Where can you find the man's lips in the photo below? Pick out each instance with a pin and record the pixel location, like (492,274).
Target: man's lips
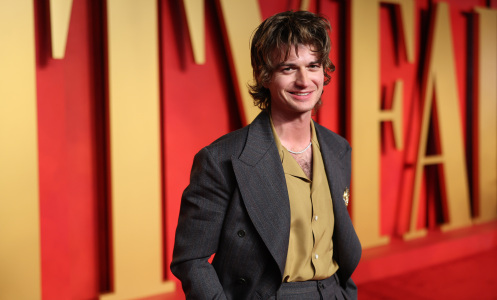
(300,93)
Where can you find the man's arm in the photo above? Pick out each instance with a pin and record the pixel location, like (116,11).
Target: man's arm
(202,212)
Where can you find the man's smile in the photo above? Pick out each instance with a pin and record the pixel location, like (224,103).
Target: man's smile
(300,93)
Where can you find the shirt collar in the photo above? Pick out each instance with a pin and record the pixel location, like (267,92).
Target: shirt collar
(290,165)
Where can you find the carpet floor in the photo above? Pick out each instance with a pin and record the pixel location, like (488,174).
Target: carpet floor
(473,277)
(470,278)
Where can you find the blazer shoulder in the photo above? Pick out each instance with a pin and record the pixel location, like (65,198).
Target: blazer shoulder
(229,144)
(327,136)
(254,139)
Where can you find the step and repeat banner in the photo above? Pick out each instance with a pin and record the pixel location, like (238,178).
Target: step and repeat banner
(103,105)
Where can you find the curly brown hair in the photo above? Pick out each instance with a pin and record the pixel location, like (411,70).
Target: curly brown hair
(283,31)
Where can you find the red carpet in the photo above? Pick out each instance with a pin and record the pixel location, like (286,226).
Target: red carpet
(473,277)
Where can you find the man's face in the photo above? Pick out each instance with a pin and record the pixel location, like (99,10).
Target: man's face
(296,84)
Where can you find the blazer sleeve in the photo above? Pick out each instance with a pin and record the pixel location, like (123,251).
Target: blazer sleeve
(202,212)
(349,290)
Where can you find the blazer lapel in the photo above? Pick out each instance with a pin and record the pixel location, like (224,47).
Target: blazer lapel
(262,184)
(332,154)
(346,245)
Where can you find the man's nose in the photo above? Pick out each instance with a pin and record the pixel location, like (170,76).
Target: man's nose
(302,79)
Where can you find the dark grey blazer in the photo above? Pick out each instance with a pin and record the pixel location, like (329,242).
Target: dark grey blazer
(237,207)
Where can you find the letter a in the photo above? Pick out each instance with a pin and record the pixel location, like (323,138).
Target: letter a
(440,86)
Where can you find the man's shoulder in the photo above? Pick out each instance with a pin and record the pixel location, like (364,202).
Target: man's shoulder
(231,139)
(325,134)
(235,141)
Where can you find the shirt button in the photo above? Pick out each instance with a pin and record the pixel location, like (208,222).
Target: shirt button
(315,218)
(316,256)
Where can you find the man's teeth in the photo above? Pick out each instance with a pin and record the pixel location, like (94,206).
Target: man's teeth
(302,94)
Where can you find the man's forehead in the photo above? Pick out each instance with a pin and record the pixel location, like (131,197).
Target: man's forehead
(284,53)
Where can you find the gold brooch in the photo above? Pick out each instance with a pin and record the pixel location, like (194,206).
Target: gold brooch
(346,195)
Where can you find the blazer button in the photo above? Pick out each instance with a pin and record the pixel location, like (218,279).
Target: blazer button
(241,281)
(241,233)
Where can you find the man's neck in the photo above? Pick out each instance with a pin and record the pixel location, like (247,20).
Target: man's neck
(294,132)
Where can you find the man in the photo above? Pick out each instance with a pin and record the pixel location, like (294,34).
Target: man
(269,199)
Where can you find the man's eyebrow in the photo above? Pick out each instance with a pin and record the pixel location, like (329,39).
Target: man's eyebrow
(289,64)
(286,64)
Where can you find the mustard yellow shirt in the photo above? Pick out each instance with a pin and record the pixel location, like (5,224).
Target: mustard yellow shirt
(310,249)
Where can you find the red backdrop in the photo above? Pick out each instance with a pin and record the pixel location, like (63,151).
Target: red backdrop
(199,105)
